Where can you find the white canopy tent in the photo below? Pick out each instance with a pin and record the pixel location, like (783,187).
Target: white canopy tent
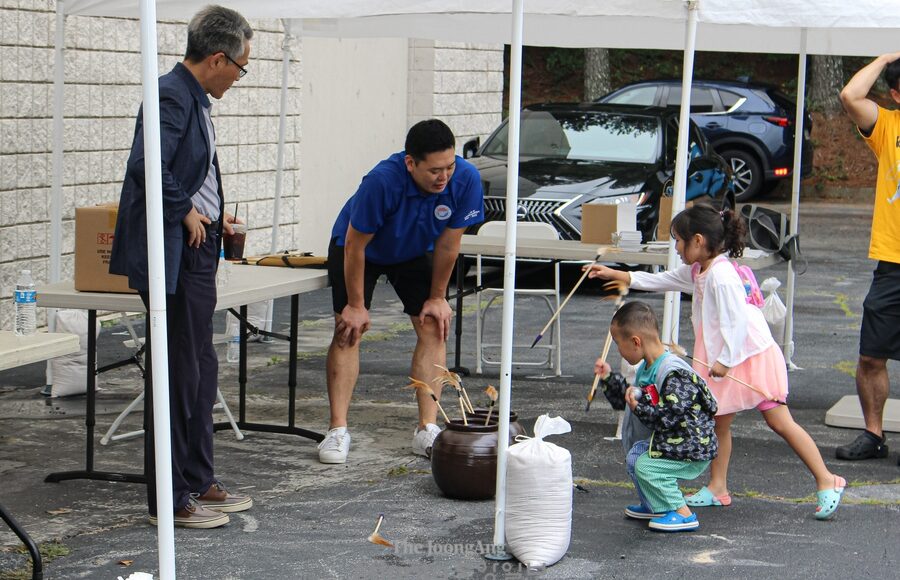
(864,27)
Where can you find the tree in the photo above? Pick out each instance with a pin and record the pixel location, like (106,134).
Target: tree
(596,73)
(826,83)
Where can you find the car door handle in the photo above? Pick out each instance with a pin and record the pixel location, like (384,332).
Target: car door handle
(713,125)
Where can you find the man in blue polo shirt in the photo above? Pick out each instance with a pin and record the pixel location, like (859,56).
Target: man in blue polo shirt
(405,221)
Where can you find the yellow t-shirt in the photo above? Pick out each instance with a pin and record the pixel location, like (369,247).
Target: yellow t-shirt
(885,143)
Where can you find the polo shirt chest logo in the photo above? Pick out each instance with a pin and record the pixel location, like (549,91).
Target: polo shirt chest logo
(442,212)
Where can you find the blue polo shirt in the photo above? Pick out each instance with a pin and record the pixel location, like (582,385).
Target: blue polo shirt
(405,221)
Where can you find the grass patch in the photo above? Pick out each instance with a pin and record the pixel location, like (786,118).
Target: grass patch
(398,327)
(584,482)
(870,483)
(811,498)
(274,361)
(309,355)
(846,366)
(49,551)
(404,470)
(378,336)
(842,301)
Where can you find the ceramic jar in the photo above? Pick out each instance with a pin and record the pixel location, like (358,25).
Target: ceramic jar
(515,428)
(464,459)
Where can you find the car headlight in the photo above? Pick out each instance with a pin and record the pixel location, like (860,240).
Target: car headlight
(640,200)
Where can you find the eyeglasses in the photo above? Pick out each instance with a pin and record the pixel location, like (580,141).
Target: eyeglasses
(243,70)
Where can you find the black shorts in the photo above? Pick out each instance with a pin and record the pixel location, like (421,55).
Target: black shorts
(411,280)
(879,336)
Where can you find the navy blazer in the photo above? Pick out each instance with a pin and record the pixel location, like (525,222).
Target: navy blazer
(184,144)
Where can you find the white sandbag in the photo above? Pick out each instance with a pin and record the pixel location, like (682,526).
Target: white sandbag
(539,496)
(774,310)
(70,371)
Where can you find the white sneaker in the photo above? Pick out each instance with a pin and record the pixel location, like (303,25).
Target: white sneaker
(423,439)
(335,446)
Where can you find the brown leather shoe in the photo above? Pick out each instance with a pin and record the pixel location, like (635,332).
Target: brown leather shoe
(219,499)
(194,515)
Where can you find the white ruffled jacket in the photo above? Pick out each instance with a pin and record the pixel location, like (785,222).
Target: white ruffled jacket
(733,330)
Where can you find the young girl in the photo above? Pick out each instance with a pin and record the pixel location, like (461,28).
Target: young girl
(734,338)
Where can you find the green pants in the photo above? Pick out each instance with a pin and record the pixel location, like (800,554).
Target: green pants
(658,479)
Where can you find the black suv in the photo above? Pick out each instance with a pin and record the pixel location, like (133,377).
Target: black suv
(572,154)
(750,124)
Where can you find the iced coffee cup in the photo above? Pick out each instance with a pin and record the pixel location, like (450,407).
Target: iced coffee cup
(234,244)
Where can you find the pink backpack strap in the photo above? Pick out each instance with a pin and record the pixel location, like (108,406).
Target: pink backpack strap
(748,279)
(695,270)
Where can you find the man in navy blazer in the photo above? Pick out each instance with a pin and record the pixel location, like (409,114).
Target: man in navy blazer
(218,49)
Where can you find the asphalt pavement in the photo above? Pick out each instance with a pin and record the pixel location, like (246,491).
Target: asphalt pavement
(311,520)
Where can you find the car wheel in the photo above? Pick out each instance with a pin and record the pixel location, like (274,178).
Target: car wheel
(748,178)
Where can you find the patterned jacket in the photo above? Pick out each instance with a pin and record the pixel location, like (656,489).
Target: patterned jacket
(682,422)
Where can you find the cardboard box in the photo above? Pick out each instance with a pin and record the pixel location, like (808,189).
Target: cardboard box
(600,220)
(94,230)
(664,225)
(665,219)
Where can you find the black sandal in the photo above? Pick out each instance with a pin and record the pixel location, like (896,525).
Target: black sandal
(866,446)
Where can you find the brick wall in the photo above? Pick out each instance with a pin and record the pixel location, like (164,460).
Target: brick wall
(462,84)
(102,96)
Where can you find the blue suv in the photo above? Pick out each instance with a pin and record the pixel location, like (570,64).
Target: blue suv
(751,125)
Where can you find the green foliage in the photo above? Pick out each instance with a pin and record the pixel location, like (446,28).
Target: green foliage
(846,366)
(564,62)
(49,552)
(398,471)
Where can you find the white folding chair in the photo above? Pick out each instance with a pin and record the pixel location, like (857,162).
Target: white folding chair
(551,344)
(136,343)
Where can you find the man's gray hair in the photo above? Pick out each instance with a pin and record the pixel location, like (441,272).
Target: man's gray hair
(217,29)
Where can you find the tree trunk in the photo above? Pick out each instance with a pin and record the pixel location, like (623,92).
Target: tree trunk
(596,73)
(827,81)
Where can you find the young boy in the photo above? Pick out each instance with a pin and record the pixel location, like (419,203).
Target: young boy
(683,441)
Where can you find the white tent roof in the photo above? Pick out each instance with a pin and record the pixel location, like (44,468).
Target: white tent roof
(860,27)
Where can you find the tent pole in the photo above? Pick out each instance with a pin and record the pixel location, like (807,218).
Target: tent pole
(672,304)
(509,276)
(59,78)
(279,167)
(157,315)
(56,187)
(788,338)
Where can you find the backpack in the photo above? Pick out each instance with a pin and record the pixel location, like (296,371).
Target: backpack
(745,273)
(754,294)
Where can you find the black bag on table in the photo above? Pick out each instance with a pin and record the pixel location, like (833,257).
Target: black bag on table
(769,230)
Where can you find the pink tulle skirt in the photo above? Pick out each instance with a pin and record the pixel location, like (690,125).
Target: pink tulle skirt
(766,371)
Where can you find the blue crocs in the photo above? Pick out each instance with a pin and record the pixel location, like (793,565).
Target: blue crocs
(705,498)
(639,512)
(675,522)
(828,500)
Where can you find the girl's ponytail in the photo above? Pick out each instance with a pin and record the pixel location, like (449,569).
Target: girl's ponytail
(735,231)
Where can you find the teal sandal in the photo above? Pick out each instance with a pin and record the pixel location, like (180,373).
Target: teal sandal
(828,500)
(705,498)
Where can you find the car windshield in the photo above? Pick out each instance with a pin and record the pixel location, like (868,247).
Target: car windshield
(582,135)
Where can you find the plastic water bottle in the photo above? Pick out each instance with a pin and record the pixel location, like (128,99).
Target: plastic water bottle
(223,273)
(233,330)
(25,299)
